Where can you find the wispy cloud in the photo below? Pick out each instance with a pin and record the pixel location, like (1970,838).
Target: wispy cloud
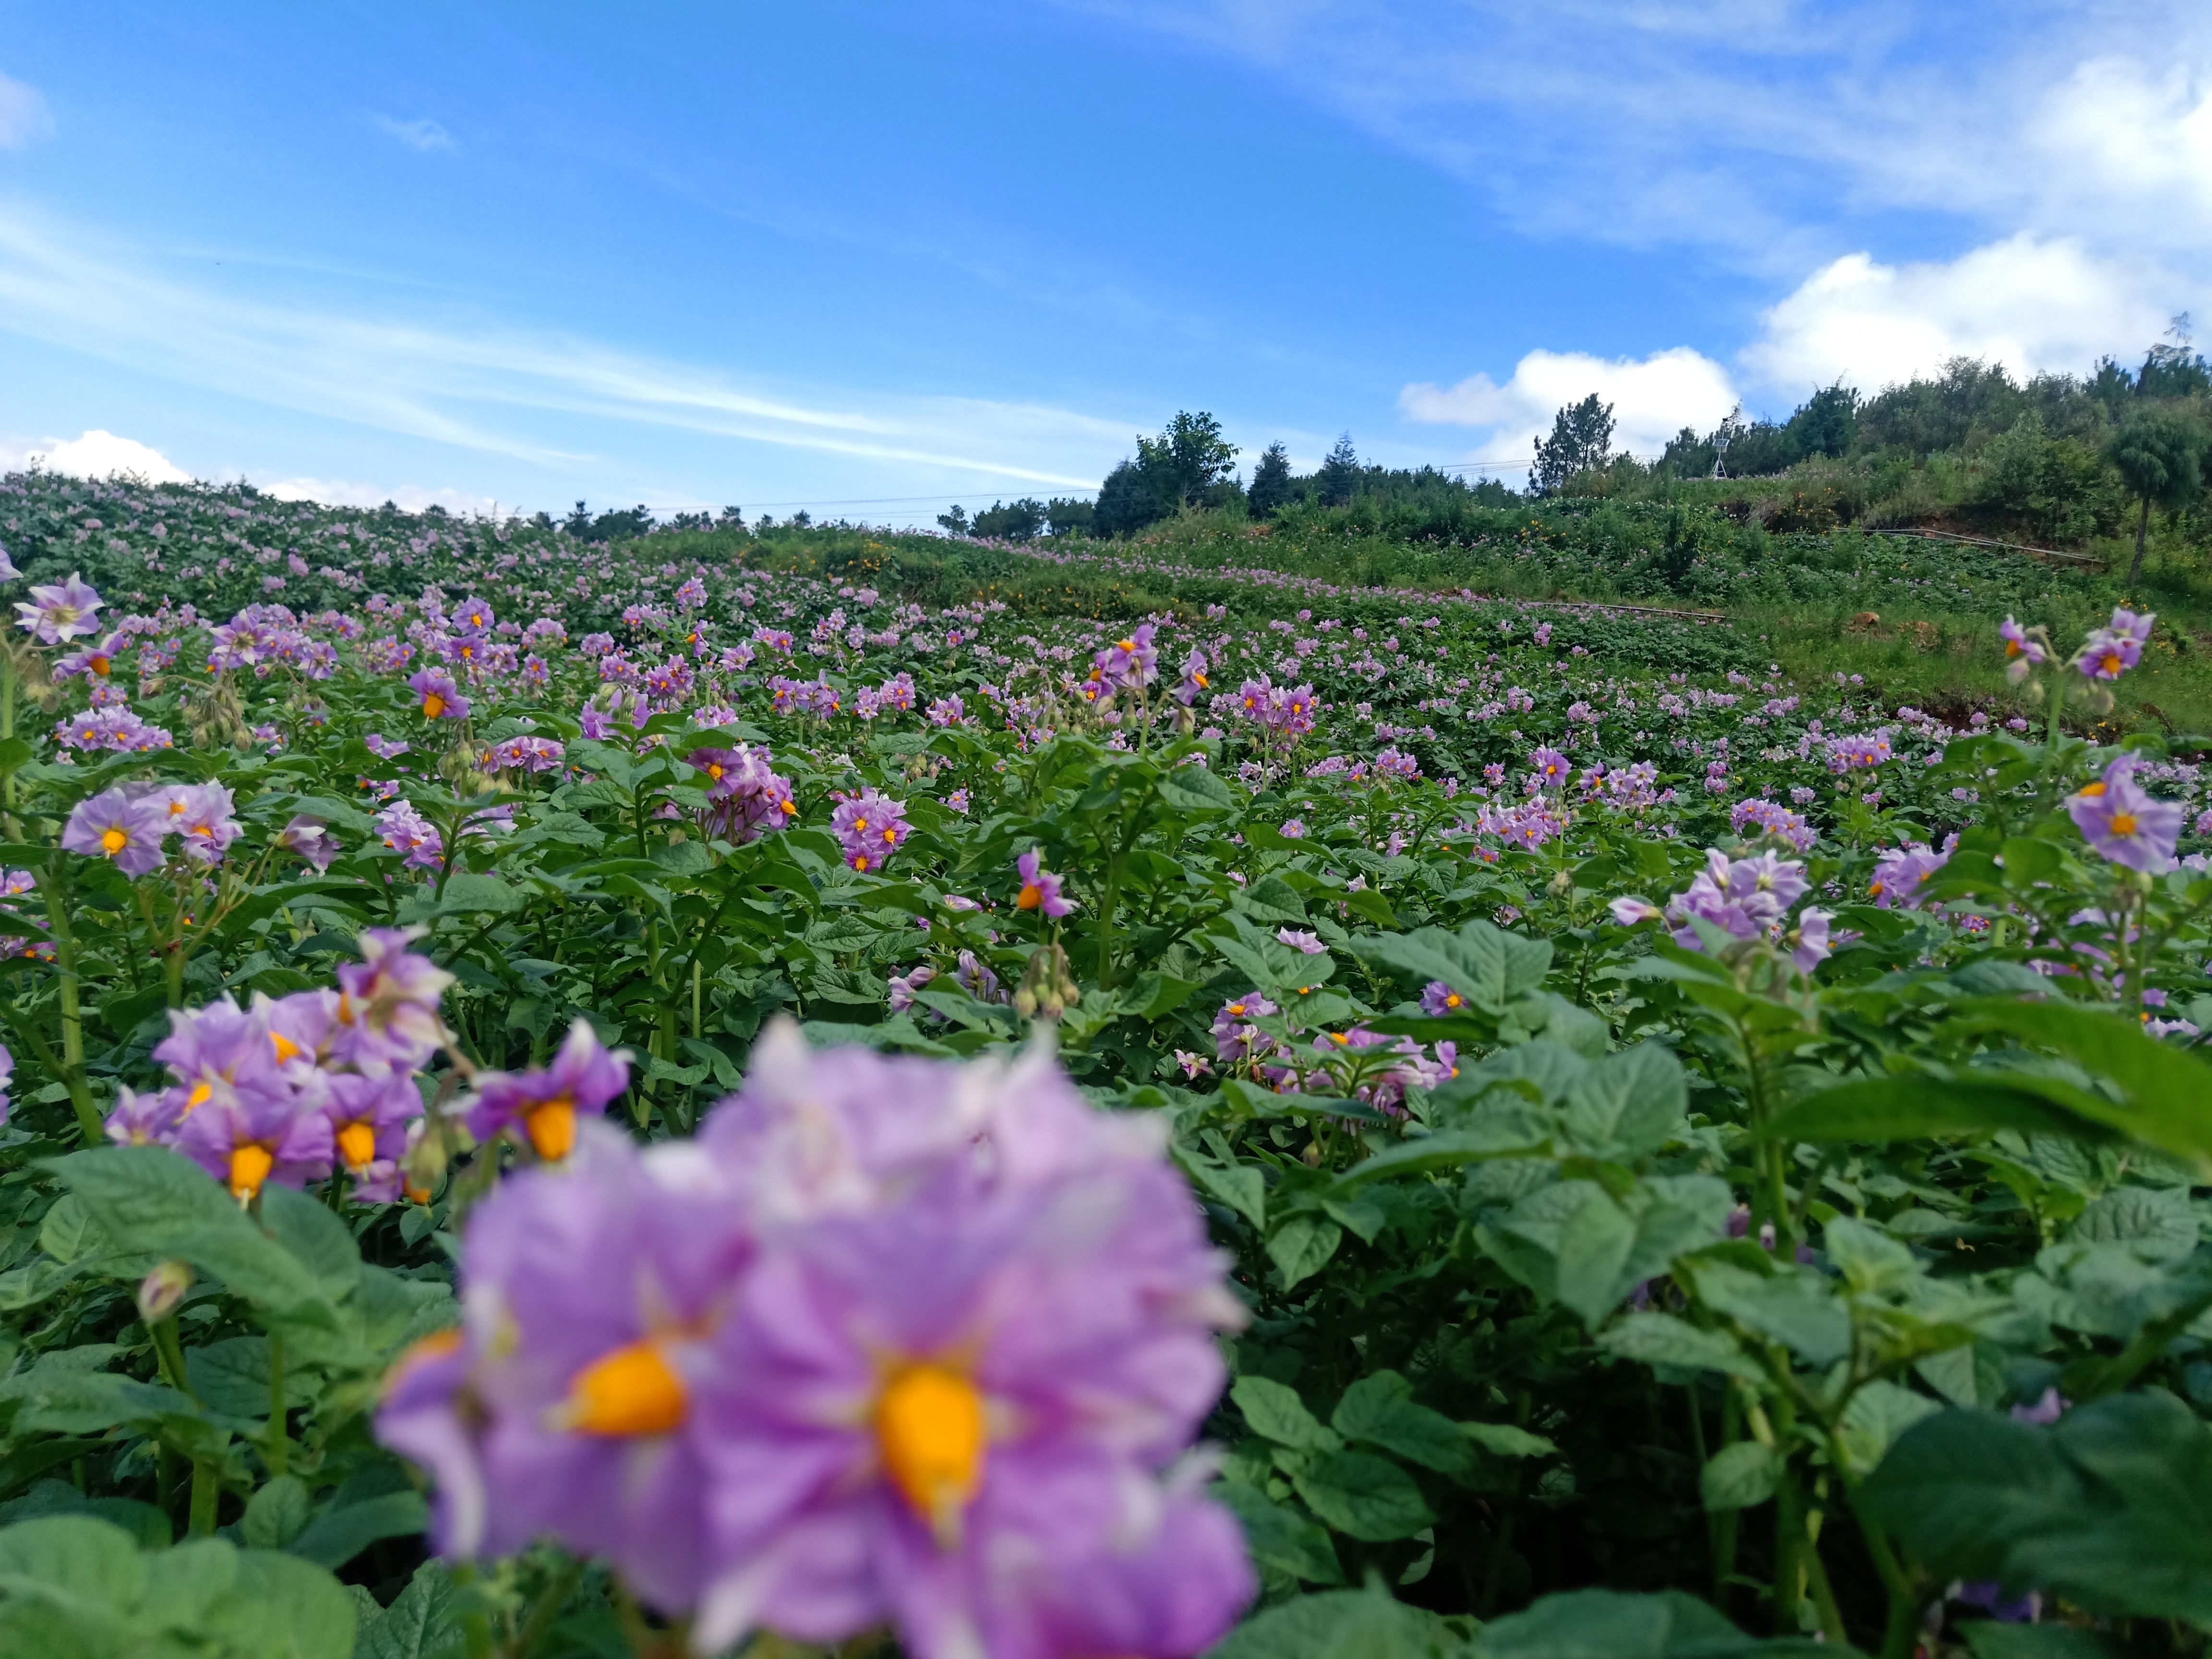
(24,116)
(425,134)
(1762,127)
(489,388)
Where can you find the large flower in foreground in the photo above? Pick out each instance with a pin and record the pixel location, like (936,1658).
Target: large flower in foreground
(946,1409)
(566,1406)
(112,825)
(2124,822)
(544,1106)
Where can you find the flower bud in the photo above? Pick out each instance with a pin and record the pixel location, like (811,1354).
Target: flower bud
(162,1290)
(423,1166)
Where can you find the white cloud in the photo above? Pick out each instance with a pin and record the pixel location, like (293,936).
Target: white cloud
(2029,304)
(467,387)
(98,455)
(1653,398)
(425,134)
(24,116)
(2128,149)
(340,492)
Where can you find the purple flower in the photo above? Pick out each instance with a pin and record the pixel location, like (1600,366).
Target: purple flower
(566,1404)
(311,838)
(61,611)
(441,698)
(1747,897)
(1438,999)
(544,1105)
(1040,887)
(145,1119)
(8,571)
(1898,873)
(2118,819)
(1808,940)
(2111,651)
(1629,910)
(7,1071)
(948,1407)
(1131,663)
(1235,1037)
(97,660)
(903,986)
(2023,650)
(475,615)
(247,1136)
(1292,829)
(1299,938)
(387,1009)
(205,826)
(869,827)
(403,828)
(112,825)
(368,1118)
(1550,767)
(1193,679)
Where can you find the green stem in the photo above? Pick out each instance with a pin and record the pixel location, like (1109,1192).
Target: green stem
(547,1610)
(476,1623)
(278,1453)
(206,1488)
(52,887)
(1789,1550)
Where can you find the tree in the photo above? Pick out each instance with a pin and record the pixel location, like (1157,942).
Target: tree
(1271,482)
(1126,502)
(1068,517)
(1022,521)
(1689,456)
(955,521)
(1185,460)
(2160,455)
(1581,441)
(1340,475)
(1826,423)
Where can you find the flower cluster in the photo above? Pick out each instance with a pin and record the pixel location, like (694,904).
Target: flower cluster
(746,798)
(891,1341)
(288,1091)
(870,827)
(128,824)
(1749,898)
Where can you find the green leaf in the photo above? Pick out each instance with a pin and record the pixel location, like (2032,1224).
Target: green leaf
(1301,1247)
(1599,1624)
(1239,1186)
(1363,1496)
(1380,1410)
(419,1624)
(471,893)
(1740,1476)
(337,1535)
(1659,1339)
(1878,1413)
(1194,789)
(317,1238)
(1275,1412)
(1273,899)
(1990,1640)
(1627,1105)
(276,1514)
(1595,1243)
(74,1560)
(1796,1309)
(1279,1538)
(281,1605)
(1486,965)
(1364,1623)
(1505,1440)
(1506,1134)
(2156,1223)
(1918,1106)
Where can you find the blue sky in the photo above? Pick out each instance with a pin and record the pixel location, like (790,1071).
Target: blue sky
(869,257)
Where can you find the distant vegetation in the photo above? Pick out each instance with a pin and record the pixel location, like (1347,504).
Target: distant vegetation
(2063,461)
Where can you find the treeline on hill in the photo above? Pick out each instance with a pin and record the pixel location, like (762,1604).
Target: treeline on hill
(2060,460)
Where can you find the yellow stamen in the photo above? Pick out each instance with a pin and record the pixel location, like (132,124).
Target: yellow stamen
(714,769)
(2096,788)
(1030,897)
(199,1095)
(930,1428)
(357,1145)
(99,666)
(632,1390)
(433,704)
(249,1165)
(2124,823)
(114,841)
(552,1128)
(285,1048)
